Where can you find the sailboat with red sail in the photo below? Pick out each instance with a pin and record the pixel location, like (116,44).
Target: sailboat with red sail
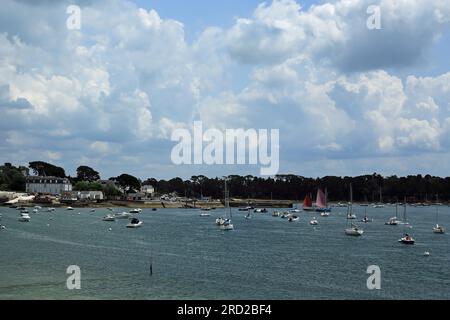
(321,201)
(308,204)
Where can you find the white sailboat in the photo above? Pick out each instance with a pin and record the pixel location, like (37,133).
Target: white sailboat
(354,230)
(394,220)
(438,229)
(366,219)
(406,239)
(227,223)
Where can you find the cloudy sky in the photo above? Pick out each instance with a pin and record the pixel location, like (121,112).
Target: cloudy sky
(347,100)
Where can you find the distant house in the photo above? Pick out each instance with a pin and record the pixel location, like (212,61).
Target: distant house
(148,190)
(89,195)
(135,196)
(47,185)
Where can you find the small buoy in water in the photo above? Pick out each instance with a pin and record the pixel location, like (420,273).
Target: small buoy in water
(426,254)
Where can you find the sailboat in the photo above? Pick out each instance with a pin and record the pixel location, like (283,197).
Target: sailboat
(227,224)
(406,239)
(354,230)
(321,201)
(394,220)
(308,204)
(366,219)
(438,229)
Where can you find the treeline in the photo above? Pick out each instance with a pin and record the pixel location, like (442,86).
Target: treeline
(366,188)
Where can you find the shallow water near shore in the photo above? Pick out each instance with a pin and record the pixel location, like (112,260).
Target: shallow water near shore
(263,258)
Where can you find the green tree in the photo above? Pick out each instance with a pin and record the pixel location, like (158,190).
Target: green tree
(85,173)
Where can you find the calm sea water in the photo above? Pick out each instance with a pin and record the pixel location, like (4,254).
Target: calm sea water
(264,258)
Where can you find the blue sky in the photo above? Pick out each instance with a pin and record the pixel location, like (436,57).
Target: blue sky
(347,100)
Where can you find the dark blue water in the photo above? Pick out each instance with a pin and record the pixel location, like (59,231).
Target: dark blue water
(264,258)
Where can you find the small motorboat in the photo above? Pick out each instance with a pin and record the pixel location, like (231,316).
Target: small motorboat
(109,218)
(260,210)
(136,211)
(70,209)
(35,210)
(38,207)
(51,209)
(154,209)
(427,254)
(354,231)
(123,215)
(24,211)
(295,211)
(407,239)
(392,222)
(246,209)
(92,210)
(205,209)
(285,215)
(293,218)
(276,214)
(205,214)
(134,223)
(314,222)
(24,217)
(439,229)
(325,214)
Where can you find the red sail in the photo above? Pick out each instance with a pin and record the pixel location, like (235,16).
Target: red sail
(321,201)
(308,202)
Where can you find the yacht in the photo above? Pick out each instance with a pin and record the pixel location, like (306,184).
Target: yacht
(260,210)
(220,221)
(227,223)
(354,230)
(205,214)
(392,222)
(136,211)
(123,215)
(109,218)
(70,208)
(351,216)
(285,215)
(24,217)
(439,229)
(406,239)
(134,223)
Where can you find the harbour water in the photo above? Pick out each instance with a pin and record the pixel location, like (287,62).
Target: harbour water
(263,258)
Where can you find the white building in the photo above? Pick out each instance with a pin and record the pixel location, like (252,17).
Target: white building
(148,190)
(88,195)
(47,185)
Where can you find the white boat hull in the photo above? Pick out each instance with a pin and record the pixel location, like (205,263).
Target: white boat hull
(354,232)
(135,225)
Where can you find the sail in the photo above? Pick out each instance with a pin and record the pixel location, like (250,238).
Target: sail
(307,203)
(321,201)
